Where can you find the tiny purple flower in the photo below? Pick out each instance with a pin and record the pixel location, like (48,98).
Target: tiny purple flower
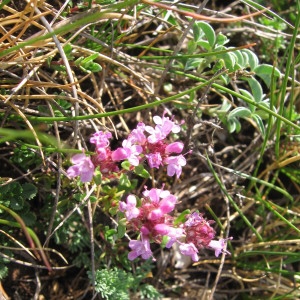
(175,164)
(219,246)
(155,194)
(194,219)
(130,209)
(128,151)
(163,127)
(83,167)
(139,248)
(137,135)
(100,139)
(154,160)
(166,125)
(173,233)
(166,205)
(189,250)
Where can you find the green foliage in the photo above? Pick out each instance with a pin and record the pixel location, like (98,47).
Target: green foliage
(113,284)
(25,158)
(117,283)
(242,65)
(16,196)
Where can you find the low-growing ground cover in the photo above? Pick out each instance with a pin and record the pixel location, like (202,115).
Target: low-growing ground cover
(149,149)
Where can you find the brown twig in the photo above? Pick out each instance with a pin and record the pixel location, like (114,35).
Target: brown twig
(202,17)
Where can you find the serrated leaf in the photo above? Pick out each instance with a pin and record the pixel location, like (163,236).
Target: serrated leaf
(29,218)
(17,203)
(265,72)
(29,191)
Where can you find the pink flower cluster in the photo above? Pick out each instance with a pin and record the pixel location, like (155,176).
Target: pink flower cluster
(153,221)
(143,143)
(151,218)
(84,166)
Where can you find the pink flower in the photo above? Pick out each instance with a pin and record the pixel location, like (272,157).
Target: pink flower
(100,139)
(128,151)
(130,209)
(139,248)
(189,250)
(154,160)
(165,205)
(83,167)
(219,246)
(173,233)
(137,135)
(175,147)
(155,194)
(163,127)
(175,164)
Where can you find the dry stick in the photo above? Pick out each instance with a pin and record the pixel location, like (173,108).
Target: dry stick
(197,16)
(67,65)
(178,47)
(214,287)
(191,119)
(90,220)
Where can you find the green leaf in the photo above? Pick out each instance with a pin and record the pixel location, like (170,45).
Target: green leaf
(98,176)
(239,112)
(208,31)
(240,59)
(89,58)
(141,171)
(94,67)
(29,191)
(250,96)
(124,181)
(256,88)
(229,59)
(126,165)
(121,228)
(182,217)
(265,72)
(204,44)
(252,59)
(193,63)
(221,39)
(259,123)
